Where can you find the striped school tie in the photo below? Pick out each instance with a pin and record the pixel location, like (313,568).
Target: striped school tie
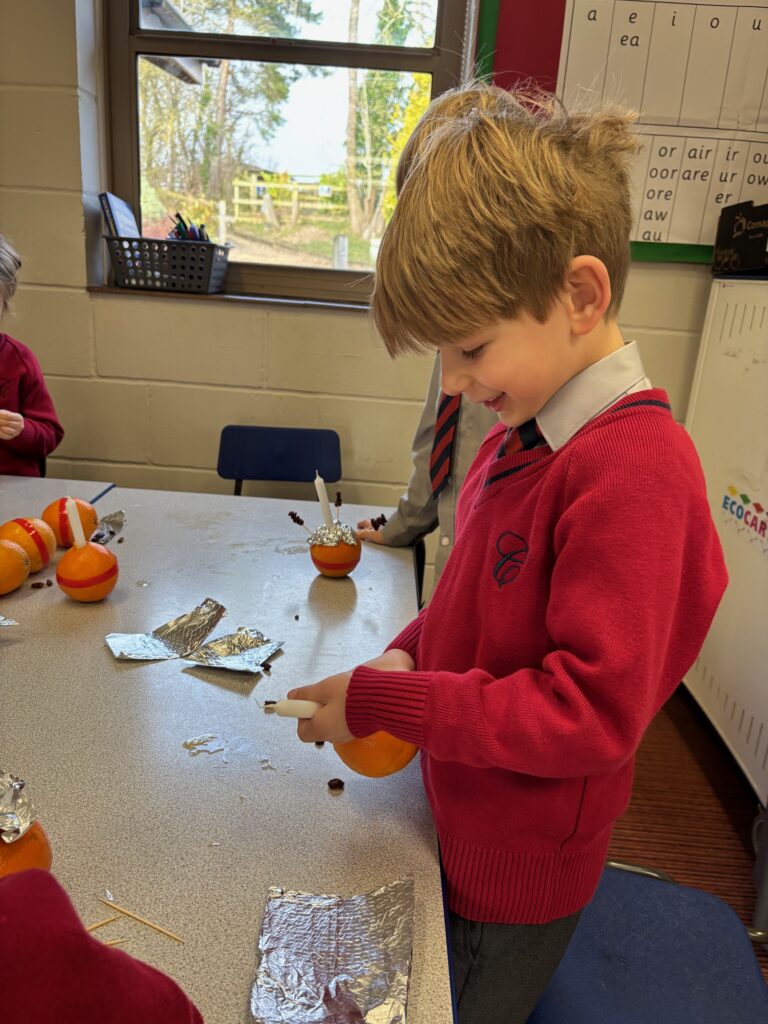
(442,447)
(519,439)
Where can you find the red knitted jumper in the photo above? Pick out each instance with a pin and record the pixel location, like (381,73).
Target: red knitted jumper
(56,973)
(580,590)
(23,390)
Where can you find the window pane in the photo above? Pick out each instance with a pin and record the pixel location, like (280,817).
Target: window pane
(393,22)
(294,165)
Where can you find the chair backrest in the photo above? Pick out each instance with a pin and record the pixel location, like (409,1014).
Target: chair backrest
(278,453)
(648,950)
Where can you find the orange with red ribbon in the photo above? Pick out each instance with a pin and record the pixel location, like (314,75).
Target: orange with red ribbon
(87,573)
(34,536)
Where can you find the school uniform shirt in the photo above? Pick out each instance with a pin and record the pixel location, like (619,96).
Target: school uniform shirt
(23,390)
(584,578)
(419,511)
(56,971)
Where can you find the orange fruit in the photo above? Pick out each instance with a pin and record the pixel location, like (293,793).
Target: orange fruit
(56,516)
(376,755)
(88,573)
(14,566)
(338,560)
(31,851)
(35,536)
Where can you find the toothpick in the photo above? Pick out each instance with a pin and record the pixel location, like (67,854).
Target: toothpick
(113,942)
(142,920)
(100,924)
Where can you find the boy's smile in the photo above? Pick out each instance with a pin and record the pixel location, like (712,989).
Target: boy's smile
(514,366)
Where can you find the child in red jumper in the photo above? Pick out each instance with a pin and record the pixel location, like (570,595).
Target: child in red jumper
(586,569)
(56,971)
(29,427)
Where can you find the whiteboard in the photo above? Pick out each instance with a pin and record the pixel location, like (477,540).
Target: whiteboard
(728,421)
(696,74)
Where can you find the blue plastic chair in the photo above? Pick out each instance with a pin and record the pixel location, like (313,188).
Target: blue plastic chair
(649,951)
(278,453)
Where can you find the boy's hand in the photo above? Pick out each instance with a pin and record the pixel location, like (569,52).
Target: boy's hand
(11,424)
(329,721)
(366,532)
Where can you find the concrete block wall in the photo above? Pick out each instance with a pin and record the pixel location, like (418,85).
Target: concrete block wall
(144,384)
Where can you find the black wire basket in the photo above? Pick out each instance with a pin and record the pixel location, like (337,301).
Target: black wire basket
(168,264)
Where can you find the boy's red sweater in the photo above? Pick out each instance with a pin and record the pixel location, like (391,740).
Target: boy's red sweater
(56,971)
(22,389)
(579,592)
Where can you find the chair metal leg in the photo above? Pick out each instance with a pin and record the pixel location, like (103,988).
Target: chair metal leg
(639,869)
(759,930)
(419,560)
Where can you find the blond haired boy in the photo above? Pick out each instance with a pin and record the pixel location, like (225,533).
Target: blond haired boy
(586,568)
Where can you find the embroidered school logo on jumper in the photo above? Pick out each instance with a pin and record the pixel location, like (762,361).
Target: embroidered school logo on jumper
(514,551)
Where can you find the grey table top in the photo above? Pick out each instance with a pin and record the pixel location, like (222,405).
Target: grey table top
(194,842)
(29,495)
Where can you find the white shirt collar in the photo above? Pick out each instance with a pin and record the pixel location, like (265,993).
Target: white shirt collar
(590,392)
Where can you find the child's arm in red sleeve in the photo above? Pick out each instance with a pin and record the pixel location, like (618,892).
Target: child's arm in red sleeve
(42,432)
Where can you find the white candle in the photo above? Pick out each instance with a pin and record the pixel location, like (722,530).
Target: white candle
(75,526)
(322,497)
(292,708)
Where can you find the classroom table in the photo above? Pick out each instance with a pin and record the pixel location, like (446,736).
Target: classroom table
(194,842)
(29,495)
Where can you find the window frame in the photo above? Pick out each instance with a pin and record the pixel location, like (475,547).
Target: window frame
(446,62)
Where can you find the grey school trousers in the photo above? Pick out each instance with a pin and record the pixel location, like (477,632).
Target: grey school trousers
(500,970)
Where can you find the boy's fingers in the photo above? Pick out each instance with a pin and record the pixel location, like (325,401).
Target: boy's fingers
(364,524)
(311,729)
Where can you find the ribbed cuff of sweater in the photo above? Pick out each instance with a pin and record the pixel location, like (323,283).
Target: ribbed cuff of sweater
(27,439)
(392,701)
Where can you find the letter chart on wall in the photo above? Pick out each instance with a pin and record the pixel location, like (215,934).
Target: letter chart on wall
(698,75)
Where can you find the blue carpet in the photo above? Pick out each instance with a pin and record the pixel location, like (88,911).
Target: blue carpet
(651,952)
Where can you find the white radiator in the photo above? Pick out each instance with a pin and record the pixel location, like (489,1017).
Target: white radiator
(728,421)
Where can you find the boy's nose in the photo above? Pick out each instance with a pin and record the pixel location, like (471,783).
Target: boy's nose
(454,377)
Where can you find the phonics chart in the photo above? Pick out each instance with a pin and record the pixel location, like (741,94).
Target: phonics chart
(698,75)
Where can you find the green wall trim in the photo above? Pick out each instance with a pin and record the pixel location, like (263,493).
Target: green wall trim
(671,252)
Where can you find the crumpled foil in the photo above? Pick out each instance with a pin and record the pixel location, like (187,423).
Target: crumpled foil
(330,536)
(335,960)
(16,810)
(243,651)
(175,639)
(109,526)
(7,622)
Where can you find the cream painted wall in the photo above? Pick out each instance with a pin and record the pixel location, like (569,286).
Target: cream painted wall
(144,384)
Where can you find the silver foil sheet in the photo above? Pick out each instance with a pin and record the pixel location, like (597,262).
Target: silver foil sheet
(243,651)
(335,960)
(175,639)
(7,622)
(330,536)
(109,527)
(16,810)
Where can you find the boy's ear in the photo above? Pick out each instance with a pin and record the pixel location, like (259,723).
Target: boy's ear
(587,292)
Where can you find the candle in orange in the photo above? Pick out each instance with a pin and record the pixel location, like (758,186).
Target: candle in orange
(55,515)
(87,572)
(376,755)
